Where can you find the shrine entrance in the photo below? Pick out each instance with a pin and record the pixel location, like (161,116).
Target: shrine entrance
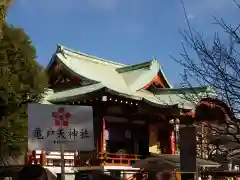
(126,137)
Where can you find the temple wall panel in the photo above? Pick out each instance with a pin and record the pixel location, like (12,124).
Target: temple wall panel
(160,138)
(97,125)
(154,142)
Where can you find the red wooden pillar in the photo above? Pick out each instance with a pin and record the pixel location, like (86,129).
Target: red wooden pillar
(33,158)
(76,159)
(101,139)
(104,135)
(173,142)
(43,159)
(172,136)
(169,141)
(28,156)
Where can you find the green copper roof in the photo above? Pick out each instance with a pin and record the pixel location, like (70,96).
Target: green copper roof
(116,78)
(47,94)
(167,98)
(106,72)
(195,90)
(134,67)
(73,93)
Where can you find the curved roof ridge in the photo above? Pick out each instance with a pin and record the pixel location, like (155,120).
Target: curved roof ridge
(163,74)
(197,89)
(165,77)
(133,67)
(61,48)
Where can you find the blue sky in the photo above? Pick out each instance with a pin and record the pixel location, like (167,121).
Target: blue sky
(127,31)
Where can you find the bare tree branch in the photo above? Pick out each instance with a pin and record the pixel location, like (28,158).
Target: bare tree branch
(216,66)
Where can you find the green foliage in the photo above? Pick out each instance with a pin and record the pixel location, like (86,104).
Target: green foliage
(22,80)
(4,4)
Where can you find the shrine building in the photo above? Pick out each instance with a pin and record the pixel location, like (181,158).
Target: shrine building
(134,107)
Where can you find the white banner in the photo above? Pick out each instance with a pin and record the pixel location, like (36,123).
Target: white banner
(49,125)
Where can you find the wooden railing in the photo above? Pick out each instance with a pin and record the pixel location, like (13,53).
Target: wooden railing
(119,159)
(86,159)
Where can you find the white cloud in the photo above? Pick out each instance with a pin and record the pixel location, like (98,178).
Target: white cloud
(203,8)
(134,29)
(103,4)
(191,16)
(47,5)
(61,5)
(218,4)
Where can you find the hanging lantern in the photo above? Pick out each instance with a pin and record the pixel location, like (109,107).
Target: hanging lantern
(128,134)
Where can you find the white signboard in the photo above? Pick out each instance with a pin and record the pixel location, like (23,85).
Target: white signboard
(49,125)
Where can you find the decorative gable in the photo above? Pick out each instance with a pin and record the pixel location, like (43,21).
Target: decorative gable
(61,79)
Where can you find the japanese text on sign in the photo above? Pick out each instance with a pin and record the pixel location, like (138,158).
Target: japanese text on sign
(60,134)
(49,125)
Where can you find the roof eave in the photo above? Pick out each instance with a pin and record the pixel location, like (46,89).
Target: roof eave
(165,77)
(53,59)
(72,52)
(88,90)
(74,93)
(181,90)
